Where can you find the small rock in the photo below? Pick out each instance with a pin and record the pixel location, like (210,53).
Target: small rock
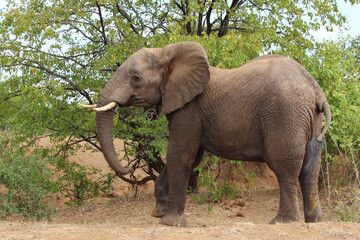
(240,214)
(239,203)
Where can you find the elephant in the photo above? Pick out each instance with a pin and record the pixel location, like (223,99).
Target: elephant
(268,110)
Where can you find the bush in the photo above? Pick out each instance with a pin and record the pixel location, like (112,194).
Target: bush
(30,176)
(217,186)
(333,65)
(80,183)
(344,204)
(28,181)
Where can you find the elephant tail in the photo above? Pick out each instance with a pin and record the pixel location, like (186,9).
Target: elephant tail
(325,108)
(312,157)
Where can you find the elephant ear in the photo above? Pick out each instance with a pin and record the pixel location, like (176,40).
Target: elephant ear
(186,74)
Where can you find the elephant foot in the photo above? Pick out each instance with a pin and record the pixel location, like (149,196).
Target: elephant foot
(174,220)
(280,218)
(159,211)
(313,218)
(313,214)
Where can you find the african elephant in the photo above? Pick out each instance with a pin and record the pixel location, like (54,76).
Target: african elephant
(268,110)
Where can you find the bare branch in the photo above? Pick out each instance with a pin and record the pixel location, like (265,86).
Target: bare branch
(127,17)
(139,17)
(137,182)
(102,24)
(260,8)
(84,34)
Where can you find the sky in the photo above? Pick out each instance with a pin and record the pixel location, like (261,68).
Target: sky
(352,14)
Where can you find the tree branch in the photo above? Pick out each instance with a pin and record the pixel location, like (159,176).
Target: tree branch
(77,129)
(139,17)
(102,24)
(260,8)
(224,24)
(37,65)
(11,95)
(208,19)
(200,19)
(127,17)
(137,182)
(87,37)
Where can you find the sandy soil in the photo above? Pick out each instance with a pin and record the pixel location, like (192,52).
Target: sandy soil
(125,217)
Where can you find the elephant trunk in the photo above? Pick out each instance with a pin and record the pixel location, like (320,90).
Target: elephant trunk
(104,124)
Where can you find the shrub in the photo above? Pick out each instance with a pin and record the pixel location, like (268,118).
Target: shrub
(217,186)
(30,176)
(28,181)
(80,183)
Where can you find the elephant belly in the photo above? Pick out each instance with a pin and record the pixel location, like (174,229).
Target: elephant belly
(234,149)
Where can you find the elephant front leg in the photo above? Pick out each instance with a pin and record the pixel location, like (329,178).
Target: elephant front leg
(162,187)
(179,165)
(178,177)
(161,194)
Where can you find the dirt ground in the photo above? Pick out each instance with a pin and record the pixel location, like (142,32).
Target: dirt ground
(125,217)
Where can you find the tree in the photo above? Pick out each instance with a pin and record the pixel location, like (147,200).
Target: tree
(335,66)
(56,54)
(355,47)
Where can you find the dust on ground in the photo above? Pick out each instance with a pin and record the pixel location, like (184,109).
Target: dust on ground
(125,217)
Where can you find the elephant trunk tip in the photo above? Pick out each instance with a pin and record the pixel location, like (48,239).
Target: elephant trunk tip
(124,171)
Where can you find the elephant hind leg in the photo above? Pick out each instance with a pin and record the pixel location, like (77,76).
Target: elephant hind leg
(309,182)
(312,206)
(285,158)
(289,205)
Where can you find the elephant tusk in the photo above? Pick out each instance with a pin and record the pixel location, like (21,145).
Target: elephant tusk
(88,106)
(106,107)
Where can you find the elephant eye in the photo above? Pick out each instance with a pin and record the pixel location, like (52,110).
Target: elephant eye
(135,79)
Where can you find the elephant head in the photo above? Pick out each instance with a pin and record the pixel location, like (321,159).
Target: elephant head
(169,78)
